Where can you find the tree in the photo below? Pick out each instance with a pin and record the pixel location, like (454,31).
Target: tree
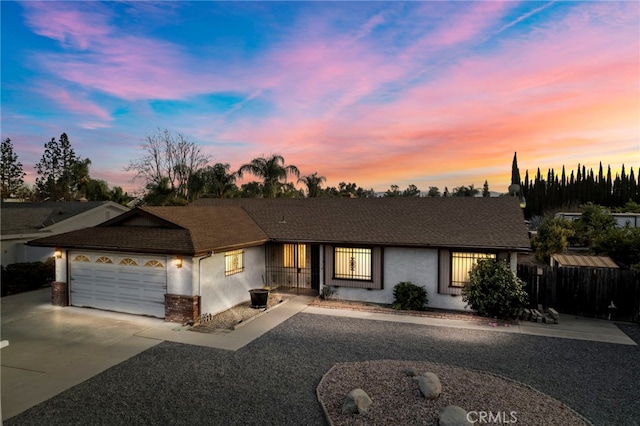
(393,191)
(494,290)
(215,181)
(170,160)
(621,244)
(96,190)
(11,172)
(272,171)
(161,194)
(313,182)
(552,237)
(251,190)
(464,191)
(60,171)
(433,191)
(594,221)
(411,191)
(485,189)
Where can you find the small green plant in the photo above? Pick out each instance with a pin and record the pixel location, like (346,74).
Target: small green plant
(494,290)
(410,297)
(327,292)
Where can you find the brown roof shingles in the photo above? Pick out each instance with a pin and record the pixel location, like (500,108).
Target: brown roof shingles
(222,224)
(436,222)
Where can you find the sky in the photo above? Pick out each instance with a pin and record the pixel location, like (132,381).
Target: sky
(431,93)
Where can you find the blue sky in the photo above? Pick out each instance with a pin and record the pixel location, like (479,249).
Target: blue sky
(377,93)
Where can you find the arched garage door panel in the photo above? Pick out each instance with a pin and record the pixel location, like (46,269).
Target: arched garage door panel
(122,283)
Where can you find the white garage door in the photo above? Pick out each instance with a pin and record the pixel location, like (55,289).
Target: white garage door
(118,282)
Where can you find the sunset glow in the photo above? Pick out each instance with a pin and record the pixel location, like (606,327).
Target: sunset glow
(377,93)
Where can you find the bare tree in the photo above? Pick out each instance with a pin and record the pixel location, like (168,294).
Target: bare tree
(169,159)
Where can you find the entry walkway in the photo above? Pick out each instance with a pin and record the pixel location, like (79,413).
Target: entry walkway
(48,349)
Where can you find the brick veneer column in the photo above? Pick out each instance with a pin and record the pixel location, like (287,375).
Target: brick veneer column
(180,308)
(59,293)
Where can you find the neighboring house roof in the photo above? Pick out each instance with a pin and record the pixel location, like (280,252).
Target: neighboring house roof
(220,224)
(31,218)
(567,260)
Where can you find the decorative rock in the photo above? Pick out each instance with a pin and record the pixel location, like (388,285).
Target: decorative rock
(429,385)
(411,371)
(453,416)
(356,402)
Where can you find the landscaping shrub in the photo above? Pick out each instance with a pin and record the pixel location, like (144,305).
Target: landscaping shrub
(494,290)
(410,297)
(21,277)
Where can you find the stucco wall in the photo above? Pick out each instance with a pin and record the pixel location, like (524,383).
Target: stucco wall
(218,292)
(15,251)
(420,266)
(179,279)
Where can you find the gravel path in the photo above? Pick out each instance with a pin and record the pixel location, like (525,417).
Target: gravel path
(273,380)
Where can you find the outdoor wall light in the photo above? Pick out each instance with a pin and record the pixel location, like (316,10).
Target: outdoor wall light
(58,253)
(178,262)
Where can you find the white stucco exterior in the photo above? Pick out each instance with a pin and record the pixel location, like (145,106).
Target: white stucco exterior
(420,266)
(219,292)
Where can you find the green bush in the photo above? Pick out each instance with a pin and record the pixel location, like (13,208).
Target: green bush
(494,290)
(21,277)
(410,297)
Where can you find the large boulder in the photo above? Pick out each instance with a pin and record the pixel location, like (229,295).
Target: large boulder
(453,416)
(356,402)
(429,385)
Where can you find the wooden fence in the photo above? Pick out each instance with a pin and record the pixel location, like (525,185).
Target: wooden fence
(584,291)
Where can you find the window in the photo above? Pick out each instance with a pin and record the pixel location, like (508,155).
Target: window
(233,262)
(104,259)
(352,263)
(81,258)
(128,261)
(153,264)
(290,260)
(461,265)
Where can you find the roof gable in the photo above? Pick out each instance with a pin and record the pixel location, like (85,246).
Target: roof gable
(26,218)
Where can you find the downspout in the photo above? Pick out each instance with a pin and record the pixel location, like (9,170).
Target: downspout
(200,273)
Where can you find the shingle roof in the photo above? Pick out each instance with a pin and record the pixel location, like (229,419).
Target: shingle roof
(176,230)
(405,221)
(27,218)
(222,224)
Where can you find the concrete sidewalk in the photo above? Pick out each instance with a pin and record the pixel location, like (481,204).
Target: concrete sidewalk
(570,327)
(51,349)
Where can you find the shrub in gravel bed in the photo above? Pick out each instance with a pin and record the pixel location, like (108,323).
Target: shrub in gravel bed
(410,297)
(494,290)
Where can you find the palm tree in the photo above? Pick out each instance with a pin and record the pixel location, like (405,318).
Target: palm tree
(271,170)
(215,181)
(313,183)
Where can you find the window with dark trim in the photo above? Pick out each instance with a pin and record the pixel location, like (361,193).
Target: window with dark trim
(352,263)
(233,262)
(461,265)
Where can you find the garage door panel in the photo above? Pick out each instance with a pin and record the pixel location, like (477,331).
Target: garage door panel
(119,286)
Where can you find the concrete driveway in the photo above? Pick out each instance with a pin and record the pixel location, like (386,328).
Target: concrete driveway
(51,349)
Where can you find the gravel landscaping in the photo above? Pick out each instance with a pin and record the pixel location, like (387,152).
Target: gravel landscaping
(236,316)
(273,380)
